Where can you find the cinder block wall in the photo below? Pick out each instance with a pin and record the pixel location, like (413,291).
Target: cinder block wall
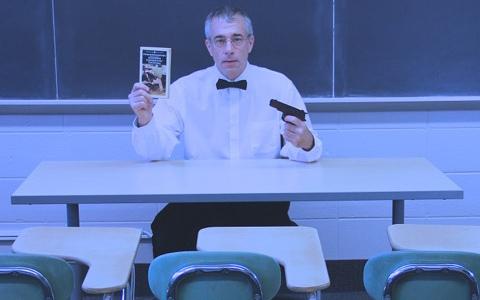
(348,230)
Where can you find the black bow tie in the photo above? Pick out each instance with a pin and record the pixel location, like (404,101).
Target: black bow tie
(223,84)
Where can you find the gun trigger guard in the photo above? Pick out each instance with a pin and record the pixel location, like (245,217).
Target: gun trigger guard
(283,118)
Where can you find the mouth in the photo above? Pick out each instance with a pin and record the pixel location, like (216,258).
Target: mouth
(230,61)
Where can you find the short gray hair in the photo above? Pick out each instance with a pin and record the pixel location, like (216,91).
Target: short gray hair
(227,13)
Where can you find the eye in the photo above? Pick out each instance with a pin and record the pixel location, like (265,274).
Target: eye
(220,42)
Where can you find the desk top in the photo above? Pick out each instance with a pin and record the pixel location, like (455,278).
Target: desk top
(435,237)
(330,179)
(108,252)
(297,249)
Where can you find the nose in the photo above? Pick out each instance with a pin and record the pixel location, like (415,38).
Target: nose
(228,46)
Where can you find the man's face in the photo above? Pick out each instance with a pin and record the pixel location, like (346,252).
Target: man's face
(229,45)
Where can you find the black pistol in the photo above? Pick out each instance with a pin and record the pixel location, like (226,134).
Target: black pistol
(288,110)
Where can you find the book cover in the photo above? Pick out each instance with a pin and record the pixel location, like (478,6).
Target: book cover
(155,70)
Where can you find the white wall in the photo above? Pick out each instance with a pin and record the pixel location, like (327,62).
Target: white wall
(348,230)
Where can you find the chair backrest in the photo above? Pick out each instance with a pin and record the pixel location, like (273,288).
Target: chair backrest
(412,275)
(213,275)
(34,277)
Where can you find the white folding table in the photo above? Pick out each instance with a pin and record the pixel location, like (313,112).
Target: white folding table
(329,179)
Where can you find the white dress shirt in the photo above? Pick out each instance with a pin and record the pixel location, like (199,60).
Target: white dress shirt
(223,124)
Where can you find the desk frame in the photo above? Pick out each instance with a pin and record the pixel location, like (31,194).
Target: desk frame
(398,213)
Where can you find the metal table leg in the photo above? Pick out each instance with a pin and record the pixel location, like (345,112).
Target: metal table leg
(73,215)
(73,220)
(398,211)
(317,295)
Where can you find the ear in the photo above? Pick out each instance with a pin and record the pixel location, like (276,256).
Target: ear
(209,46)
(251,41)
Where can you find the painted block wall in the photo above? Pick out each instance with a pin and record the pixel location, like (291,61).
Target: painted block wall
(348,230)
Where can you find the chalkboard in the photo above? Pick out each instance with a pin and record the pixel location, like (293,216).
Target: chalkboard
(27,68)
(98,41)
(407,48)
(89,49)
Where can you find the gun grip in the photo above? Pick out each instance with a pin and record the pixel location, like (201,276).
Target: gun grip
(283,118)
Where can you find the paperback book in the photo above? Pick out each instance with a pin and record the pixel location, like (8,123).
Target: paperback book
(155,70)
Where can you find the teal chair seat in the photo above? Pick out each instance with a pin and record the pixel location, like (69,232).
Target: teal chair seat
(420,275)
(34,277)
(192,275)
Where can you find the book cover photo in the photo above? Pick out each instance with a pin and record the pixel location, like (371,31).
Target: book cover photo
(155,70)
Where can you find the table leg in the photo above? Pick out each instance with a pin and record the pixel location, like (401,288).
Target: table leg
(73,220)
(317,295)
(398,211)
(73,215)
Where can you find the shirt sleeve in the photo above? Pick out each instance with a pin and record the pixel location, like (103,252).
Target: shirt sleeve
(157,139)
(290,151)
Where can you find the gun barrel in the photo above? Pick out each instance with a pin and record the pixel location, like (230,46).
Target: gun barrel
(287,109)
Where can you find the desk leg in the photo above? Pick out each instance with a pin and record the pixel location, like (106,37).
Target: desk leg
(317,295)
(73,215)
(398,211)
(73,220)
(79,271)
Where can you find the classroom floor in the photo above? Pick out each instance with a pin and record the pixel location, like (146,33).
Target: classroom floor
(345,296)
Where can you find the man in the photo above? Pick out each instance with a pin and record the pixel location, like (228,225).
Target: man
(219,121)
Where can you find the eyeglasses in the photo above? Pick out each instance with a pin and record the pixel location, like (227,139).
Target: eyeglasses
(236,41)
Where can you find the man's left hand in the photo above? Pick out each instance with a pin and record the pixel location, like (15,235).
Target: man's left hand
(297,133)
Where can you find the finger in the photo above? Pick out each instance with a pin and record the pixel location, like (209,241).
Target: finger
(138,106)
(140,103)
(141,99)
(141,95)
(291,138)
(140,92)
(140,86)
(293,120)
(137,99)
(293,129)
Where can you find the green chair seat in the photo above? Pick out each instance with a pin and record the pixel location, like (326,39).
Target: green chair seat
(34,277)
(192,275)
(415,275)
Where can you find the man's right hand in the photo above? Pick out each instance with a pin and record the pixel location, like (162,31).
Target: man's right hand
(141,103)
